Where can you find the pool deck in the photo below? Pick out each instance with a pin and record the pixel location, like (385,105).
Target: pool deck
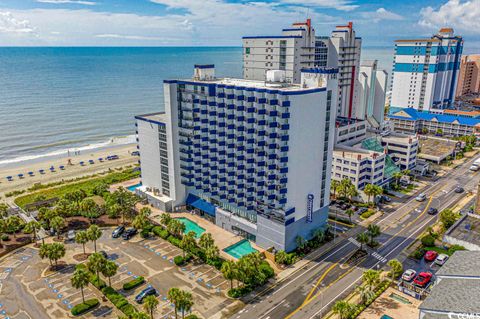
(125,184)
(223,238)
(385,305)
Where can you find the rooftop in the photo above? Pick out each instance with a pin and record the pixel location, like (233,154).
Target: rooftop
(454,295)
(466,229)
(399,138)
(436,148)
(412,114)
(354,152)
(157,118)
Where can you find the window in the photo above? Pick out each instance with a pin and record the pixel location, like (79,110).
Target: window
(247,50)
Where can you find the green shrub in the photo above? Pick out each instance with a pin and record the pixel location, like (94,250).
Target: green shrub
(134,283)
(5,237)
(178,260)
(145,233)
(84,307)
(367,214)
(267,270)
(455,248)
(98,282)
(428,240)
(418,254)
(174,240)
(239,292)
(160,232)
(128,309)
(192,317)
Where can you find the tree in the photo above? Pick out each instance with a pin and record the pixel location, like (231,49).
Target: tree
(373,231)
(349,212)
(343,309)
(212,253)
(90,209)
(126,200)
(150,304)
(301,242)
(114,210)
(365,293)
(176,228)
(3,210)
(229,271)
(57,223)
(145,211)
(371,278)
(369,191)
(3,228)
(109,270)
(397,176)
(13,224)
(140,221)
(188,243)
(139,315)
(334,186)
(96,263)
(53,252)
(448,217)
(363,238)
(165,219)
(75,196)
(205,241)
(81,237)
(80,279)
(186,302)
(174,296)
(32,227)
(396,268)
(94,233)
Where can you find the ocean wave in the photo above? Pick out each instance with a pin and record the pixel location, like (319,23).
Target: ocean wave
(114,141)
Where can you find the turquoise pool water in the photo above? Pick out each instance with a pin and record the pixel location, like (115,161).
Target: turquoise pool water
(385,317)
(240,249)
(132,188)
(191,226)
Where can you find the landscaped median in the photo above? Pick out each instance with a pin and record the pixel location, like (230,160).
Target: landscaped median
(84,307)
(134,283)
(119,301)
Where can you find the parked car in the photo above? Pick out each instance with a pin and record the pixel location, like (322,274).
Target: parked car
(362,210)
(129,233)
(103,253)
(423,279)
(421,197)
(432,211)
(71,235)
(149,291)
(459,189)
(409,274)
(136,153)
(118,231)
(474,168)
(430,255)
(386,199)
(441,259)
(345,206)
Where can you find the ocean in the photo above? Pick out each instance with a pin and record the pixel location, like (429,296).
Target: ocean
(55,100)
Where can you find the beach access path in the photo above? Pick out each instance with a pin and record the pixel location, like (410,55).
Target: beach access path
(70,171)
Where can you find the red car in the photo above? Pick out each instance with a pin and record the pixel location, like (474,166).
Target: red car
(430,255)
(423,279)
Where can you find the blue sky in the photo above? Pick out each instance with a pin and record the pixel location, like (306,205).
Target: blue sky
(223,22)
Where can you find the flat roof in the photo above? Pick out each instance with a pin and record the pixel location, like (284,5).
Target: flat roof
(393,137)
(467,229)
(156,118)
(437,147)
(454,295)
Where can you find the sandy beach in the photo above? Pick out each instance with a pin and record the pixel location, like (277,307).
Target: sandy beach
(70,172)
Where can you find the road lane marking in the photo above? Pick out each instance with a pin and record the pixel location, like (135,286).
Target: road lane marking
(273,308)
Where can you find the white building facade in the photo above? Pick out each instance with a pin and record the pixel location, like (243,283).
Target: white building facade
(425,71)
(254,156)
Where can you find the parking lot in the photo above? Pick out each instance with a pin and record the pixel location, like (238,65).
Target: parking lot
(28,290)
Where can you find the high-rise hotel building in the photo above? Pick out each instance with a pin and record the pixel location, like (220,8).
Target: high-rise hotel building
(252,156)
(425,71)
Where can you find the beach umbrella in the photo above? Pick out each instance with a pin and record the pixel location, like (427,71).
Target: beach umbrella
(81,163)
(100,159)
(30,173)
(20,175)
(10,178)
(41,171)
(62,167)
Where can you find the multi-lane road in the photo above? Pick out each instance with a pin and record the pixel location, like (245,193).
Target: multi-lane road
(310,291)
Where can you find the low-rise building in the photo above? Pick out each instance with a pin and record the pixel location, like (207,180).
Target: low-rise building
(349,131)
(465,232)
(411,121)
(457,289)
(402,149)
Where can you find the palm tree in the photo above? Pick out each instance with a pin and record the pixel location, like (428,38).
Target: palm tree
(79,280)
(165,219)
(174,296)
(140,221)
(186,302)
(301,242)
(349,212)
(3,228)
(397,176)
(365,293)
(334,186)
(53,252)
(32,227)
(150,304)
(343,309)
(3,210)
(126,200)
(81,237)
(13,224)
(362,238)
(57,223)
(351,192)
(96,263)
(373,231)
(371,278)
(145,211)
(369,191)
(229,271)
(205,241)
(188,243)
(212,253)
(94,233)
(396,268)
(44,252)
(139,315)
(114,210)
(90,209)
(109,270)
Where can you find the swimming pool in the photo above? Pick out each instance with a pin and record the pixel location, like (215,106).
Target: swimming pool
(132,188)
(240,249)
(191,226)
(385,317)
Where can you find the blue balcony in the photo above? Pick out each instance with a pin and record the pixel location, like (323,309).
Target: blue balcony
(214,193)
(241,157)
(241,128)
(222,179)
(230,96)
(290,211)
(212,103)
(222,161)
(284,170)
(186,159)
(241,138)
(272,177)
(196,101)
(262,100)
(221,95)
(284,148)
(250,170)
(231,145)
(241,148)
(283,191)
(260,193)
(250,130)
(273,125)
(231,164)
(285,126)
(221,105)
(241,118)
(197,154)
(250,120)
(231,106)
(251,99)
(271,187)
(250,140)
(272,156)
(196,127)
(286,103)
(283,180)
(230,155)
(213,132)
(241,167)
(285,138)
(221,115)
(213,123)
(271,197)
(262,122)
(241,185)
(272,166)
(204,130)
(250,151)
(231,200)
(188,184)
(205,148)
(262,112)
(285,115)
(223,152)
(273,135)
(261,164)
(250,180)
(250,161)
(273,102)
(204,112)
(199,162)
(196,110)
(205,139)
(250,110)
(221,134)
(283,159)
(272,146)
(261,143)
(273,113)
(204,121)
(240,97)
(262,133)
(240,177)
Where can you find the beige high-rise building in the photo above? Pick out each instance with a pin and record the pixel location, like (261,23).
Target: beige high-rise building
(469,79)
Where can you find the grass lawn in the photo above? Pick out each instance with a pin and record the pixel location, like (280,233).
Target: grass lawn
(87,185)
(438,250)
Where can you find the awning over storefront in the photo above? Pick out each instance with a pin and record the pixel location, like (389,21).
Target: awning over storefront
(201,204)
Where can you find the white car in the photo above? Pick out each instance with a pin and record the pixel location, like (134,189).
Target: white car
(409,274)
(71,235)
(474,168)
(421,197)
(441,259)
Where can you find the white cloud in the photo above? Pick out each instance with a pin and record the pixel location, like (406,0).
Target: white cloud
(343,5)
(11,25)
(87,3)
(381,14)
(463,16)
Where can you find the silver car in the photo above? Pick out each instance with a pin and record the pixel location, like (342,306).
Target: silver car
(421,197)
